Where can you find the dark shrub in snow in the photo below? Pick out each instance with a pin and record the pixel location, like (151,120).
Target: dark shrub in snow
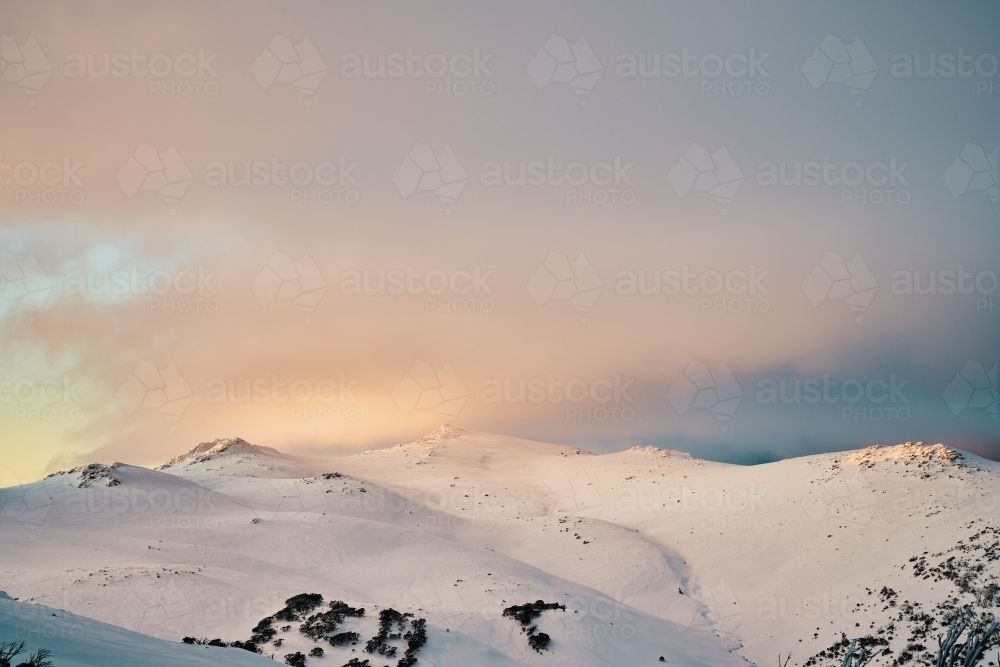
(525,614)
(539,641)
(263,632)
(299,605)
(320,625)
(344,638)
(246,646)
(391,625)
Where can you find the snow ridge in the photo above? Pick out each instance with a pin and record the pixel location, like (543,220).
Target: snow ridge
(444,432)
(92,474)
(659,451)
(908,450)
(206,450)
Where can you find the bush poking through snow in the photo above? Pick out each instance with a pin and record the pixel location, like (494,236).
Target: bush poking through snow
(526,613)
(263,632)
(388,619)
(539,641)
(391,625)
(299,605)
(344,638)
(415,640)
(250,645)
(321,625)
(246,646)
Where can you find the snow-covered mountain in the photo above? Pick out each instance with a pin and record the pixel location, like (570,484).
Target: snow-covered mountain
(652,553)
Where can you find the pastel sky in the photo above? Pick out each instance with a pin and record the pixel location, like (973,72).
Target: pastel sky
(745,230)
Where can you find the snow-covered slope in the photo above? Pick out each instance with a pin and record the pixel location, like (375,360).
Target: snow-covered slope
(652,552)
(77,641)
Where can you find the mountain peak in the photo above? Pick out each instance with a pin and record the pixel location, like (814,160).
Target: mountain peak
(443,432)
(659,451)
(206,450)
(905,451)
